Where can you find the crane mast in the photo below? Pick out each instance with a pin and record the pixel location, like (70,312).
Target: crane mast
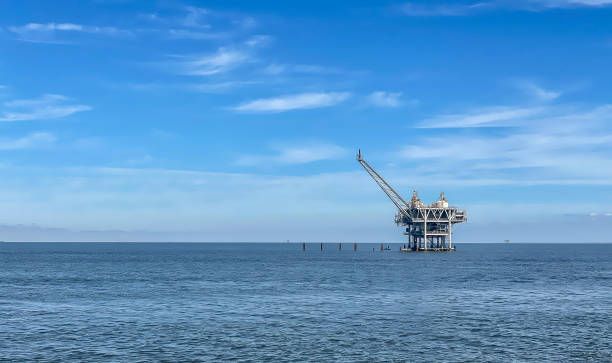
(428,227)
(399,202)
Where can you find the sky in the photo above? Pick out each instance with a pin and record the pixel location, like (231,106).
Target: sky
(133,120)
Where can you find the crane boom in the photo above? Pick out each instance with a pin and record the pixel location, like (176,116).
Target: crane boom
(399,202)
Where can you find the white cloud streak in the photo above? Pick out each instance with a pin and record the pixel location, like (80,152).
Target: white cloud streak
(45,32)
(485,117)
(31,141)
(294,102)
(296,155)
(48,106)
(426,10)
(537,92)
(222,61)
(574,3)
(450,9)
(195,35)
(196,17)
(385,99)
(555,146)
(276,69)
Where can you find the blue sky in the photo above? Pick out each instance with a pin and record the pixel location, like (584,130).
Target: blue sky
(239,121)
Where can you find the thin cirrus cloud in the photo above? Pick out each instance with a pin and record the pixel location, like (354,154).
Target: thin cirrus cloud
(574,3)
(295,155)
(30,141)
(500,116)
(196,17)
(537,92)
(386,99)
(205,18)
(294,102)
(413,9)
(191,17)
(276,69)
(195,35)
(196,23)
(450,9)
(223,60)
(48,106)
(559,145)
(47,32)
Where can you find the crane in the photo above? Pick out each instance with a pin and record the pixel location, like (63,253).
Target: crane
(429,227)
(397,199)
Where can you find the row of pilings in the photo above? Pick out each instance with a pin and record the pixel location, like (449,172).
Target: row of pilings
(382,247)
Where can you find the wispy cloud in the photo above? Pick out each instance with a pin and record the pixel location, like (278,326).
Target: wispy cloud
(140,160)
(240,61)
(45,32)
(197,23)
(537,92)
(295,155)
(386,99)
(453,9)
(258,40)
(191,23)
(219,87)
(294,102)
(596,214)
(223,60)
(558,145)
(196,35)
(48,106)
(196,17)
(573,3)
(500,116)
(276,69)
(413,9)
(32,141)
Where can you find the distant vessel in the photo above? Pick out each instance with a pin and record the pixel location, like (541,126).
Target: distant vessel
(507,241)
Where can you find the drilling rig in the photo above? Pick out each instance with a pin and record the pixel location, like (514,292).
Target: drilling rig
(428,227)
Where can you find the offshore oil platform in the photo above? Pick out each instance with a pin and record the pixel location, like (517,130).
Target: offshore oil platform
(428,227)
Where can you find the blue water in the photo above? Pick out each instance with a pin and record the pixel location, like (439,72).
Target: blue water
(258,302)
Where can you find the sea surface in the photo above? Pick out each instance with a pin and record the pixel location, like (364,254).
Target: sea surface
(273,302)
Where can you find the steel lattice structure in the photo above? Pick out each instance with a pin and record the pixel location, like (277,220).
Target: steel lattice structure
(428,227)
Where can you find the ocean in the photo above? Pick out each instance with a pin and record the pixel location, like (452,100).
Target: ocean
(273,302)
